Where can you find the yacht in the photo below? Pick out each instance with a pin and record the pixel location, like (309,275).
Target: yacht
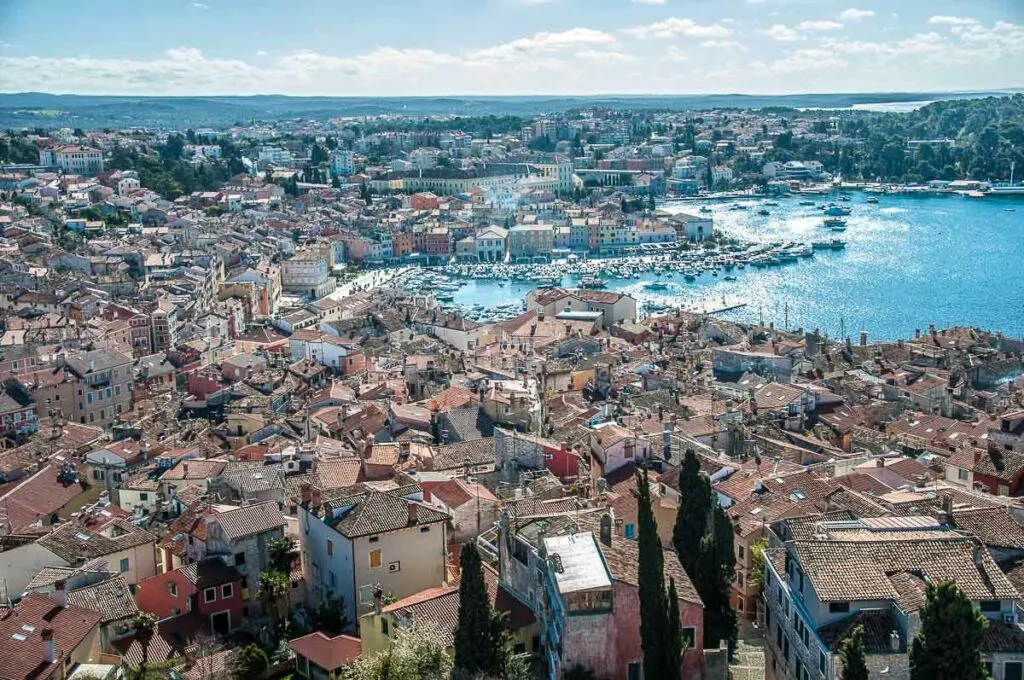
(831,244)
(837,210)
(871,199)
(705,209)
(762,211)
(592,282)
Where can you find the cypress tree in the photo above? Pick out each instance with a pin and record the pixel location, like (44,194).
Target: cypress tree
(654,617)
(717,566)
(474,649)
(851,651)
(948,646)
(695,501)
(675,626)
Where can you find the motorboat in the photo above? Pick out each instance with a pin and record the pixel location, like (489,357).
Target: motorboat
(837,210)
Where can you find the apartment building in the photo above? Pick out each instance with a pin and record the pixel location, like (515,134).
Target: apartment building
(105,386)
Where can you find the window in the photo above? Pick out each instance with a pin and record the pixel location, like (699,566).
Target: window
(838,607)
(374,539)
(239,559)
(739,578)
(376,559)
(962,474)
(331,579)
(424,530)
(630,530)
(1013,670)
(172,588)
(821,662)
(227,590)
(383,626)
(636,671)
(124,565)
(117,390)
(330,548)
(209,595)
(739,552)
(989,606)
(143,496)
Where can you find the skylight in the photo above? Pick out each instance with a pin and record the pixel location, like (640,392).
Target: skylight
(82,536)
(28,629)
(19,637)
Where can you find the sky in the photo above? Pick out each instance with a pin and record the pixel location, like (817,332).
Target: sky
(506,47)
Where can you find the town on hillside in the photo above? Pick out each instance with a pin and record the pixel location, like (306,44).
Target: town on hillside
(246,432)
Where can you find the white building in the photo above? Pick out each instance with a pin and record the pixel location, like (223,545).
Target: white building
(490,244)
(424,159)
(694,227)
(342,162)
(276,156)
(307,273)
(73,159)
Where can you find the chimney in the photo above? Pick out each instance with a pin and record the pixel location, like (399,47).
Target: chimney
(606,529)
(414,512)
(49,646)
(978,561)
(947,508)
(62,593)
(184,469)
(879,462)
(917,334)
(863,338)
(894,642)
(306,494)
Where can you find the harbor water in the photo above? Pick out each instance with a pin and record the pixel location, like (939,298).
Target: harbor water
(909,262)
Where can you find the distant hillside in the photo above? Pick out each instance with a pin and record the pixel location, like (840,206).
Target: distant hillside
(35,109)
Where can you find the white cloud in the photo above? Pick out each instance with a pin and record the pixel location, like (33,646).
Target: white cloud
(674,54)
(544,42)
(648,2)
(952,21)
(853,14)
(782,33)
(809,59)
(724,45)
(674,27)
(604,56)
(819,25)
(200,5)
(261,53)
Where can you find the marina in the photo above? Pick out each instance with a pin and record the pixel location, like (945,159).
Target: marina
(896,267)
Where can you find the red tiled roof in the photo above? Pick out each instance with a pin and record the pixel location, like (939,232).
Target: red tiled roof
(328,653)
(34,614)
(38,496)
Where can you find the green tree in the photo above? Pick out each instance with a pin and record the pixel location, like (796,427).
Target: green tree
(851,651)
(757,562)
(654,614)
(675,627)
(948,646)
(695,501)
(274,587)
(476,649)
(330,616)
(716,568)
(280,552)
(250,662)
(144,627)
(416,653)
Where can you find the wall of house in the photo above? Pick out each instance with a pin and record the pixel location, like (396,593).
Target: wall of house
(231,603)
(154,595)
(128,499)
(20,565)
(317,565)
(419,556)
(607,644)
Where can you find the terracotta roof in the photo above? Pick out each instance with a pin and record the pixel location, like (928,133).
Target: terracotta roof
(37,497)
(71,541)
(328,653)
(339,473)
(859,570)
(376,512)
(23,655)
(249,520)
(453,456)
(111,598)
(994,526)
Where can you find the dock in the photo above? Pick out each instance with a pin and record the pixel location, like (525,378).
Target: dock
(713,305)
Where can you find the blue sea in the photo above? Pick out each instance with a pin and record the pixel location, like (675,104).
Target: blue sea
(909,262)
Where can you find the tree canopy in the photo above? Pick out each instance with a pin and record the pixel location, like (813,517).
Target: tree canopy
(948,646)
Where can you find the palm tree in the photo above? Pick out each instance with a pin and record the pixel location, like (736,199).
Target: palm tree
(144,625)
